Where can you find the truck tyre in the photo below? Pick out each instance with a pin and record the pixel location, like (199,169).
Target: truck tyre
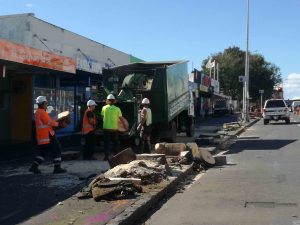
(266,122)
(287,121)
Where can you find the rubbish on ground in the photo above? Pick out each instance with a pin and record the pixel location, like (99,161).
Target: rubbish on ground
(115,190)
(122,157)
(160,158)
(102,188)
(135,181)
(170,148)
(231,126)
(148,171)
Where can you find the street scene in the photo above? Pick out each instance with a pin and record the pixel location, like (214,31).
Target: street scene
(116,112)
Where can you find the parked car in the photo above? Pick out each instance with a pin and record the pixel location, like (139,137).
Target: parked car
(276,109)
(295,104)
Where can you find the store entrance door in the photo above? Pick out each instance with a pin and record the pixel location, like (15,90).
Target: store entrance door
(21,108)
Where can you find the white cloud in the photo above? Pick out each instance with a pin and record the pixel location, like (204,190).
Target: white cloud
(291,86)
(29,5)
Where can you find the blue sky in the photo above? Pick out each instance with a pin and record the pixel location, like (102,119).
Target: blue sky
(181,29)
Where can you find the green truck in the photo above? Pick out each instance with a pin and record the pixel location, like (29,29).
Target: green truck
(165,84)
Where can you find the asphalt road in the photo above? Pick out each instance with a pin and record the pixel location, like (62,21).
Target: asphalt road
(260,184)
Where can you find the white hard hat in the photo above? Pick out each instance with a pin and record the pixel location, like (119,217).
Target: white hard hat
(110,97)
(91,103)
(40,99)
(145,101)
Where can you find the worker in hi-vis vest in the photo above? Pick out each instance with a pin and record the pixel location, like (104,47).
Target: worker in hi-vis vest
(111,115)
(89,124)
(145,126)
(46,139)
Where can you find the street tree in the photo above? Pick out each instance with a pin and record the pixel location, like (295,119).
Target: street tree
(263,74)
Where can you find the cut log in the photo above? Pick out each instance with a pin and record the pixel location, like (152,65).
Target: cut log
(64,117)
(193,147)
(220,160)
(159,147)
(160,158)
(207,158)
(122,157)
(170,148)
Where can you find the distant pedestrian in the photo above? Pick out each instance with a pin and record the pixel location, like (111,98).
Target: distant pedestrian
(46,139)
(145,126)
(111,115)
(206,108)
(88,129)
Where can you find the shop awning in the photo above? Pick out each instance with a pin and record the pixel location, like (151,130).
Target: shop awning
(219,96)
(18,53)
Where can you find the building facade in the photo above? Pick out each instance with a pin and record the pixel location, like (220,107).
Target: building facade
(38,58)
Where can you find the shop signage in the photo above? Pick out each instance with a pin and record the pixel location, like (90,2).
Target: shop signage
(89,65)
(203,88)
(31,56)
(197,76)
(206,81)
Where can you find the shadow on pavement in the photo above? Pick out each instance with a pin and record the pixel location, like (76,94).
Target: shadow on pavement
(23,196)
(262,145)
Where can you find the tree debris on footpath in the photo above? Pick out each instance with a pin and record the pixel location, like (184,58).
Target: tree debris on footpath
(132,174)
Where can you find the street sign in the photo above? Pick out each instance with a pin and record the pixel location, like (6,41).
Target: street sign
(241,79)
(261,91)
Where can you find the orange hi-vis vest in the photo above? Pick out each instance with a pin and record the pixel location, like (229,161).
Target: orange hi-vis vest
(43,125)
(86,125)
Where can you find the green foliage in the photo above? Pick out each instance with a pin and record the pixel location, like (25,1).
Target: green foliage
(263,74)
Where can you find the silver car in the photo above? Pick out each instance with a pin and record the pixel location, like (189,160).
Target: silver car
(276,109)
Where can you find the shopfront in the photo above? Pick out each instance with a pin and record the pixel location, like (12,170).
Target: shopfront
(26,73)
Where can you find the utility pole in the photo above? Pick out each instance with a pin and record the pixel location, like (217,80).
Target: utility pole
(246,91)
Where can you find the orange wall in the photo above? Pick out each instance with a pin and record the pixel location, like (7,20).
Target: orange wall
(21,103)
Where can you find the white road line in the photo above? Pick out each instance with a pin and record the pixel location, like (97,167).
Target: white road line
(195,180)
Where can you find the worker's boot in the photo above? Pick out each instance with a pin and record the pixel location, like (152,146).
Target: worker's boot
(58,169)
(34,168)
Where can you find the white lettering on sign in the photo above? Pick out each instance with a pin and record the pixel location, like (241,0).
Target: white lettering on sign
(178,104)
(89,65)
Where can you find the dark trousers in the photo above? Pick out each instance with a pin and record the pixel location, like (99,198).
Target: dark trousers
(89,146)
(111,137)
(145,135)
(42,150)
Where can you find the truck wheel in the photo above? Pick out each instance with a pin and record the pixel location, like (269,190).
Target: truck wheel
(266,122)
(190,130)
(287,121)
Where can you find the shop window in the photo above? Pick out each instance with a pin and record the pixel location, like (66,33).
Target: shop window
(59,100)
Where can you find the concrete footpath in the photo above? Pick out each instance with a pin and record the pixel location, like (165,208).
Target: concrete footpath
(75,211)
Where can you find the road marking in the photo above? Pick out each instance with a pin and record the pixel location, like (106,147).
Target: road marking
(195,180)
